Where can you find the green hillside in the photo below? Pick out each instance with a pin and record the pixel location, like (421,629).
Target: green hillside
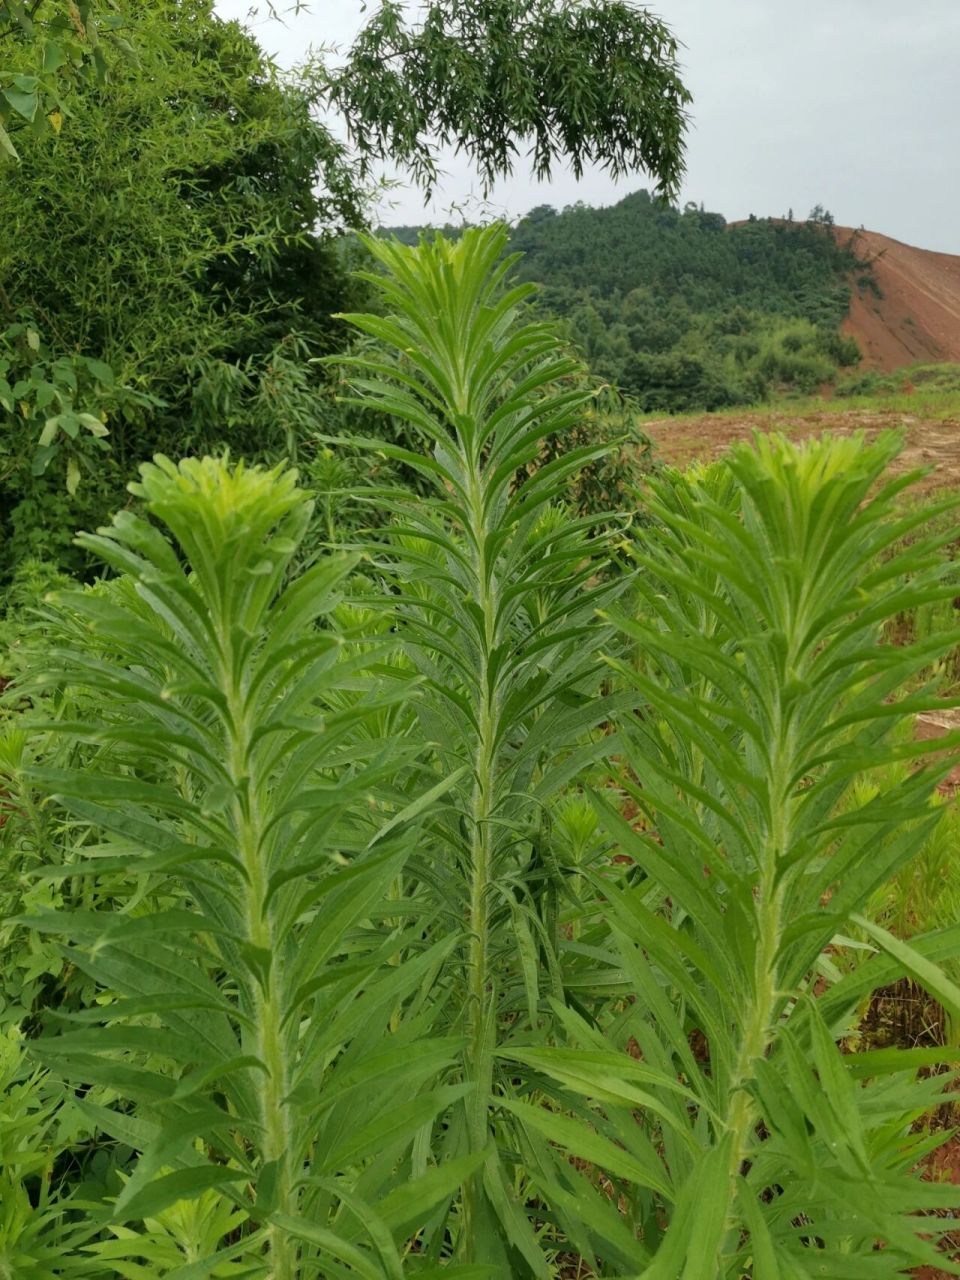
(684,310)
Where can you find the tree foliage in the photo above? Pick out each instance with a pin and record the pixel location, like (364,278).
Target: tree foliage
(50,48)
(589,83)
(177,241)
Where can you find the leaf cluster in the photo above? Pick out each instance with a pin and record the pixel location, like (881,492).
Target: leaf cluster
(595,83)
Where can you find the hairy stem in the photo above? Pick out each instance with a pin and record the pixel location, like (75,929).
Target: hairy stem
(758,1028)
(479,1051)
(272,1083)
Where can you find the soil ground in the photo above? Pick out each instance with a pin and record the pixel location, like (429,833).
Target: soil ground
(944,1166)
(910,314)
(930,443)
(935,724)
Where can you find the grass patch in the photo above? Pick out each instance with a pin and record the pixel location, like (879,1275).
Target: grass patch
(925,391)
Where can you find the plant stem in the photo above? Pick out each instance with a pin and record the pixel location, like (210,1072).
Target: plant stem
(272,1083)
(758,1030)
(479,1051)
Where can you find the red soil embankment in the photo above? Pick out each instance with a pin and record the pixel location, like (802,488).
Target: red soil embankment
(917,318)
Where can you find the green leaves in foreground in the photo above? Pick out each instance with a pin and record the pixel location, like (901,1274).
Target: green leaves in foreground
(255,1016)
(765,692)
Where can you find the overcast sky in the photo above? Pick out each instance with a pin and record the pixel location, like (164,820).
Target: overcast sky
(852,104)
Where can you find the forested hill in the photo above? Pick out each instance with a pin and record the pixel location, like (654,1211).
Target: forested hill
(684,310)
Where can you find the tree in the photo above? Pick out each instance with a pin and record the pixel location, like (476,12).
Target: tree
(179,234)
(821,217)
(591,82)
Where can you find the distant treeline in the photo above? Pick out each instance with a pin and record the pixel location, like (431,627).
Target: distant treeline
(684,310)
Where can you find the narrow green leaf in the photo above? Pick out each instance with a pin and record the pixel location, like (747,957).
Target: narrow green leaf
(183,1184)
(929,975)
(574,1136)
(408,1206)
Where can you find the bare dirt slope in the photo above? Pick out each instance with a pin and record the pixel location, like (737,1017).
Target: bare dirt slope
(918,317)
(929,442)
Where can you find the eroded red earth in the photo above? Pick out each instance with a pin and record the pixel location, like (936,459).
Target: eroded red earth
(928,442)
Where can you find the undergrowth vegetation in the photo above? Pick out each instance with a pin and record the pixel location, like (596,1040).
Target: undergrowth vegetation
(917,378)
(496,897)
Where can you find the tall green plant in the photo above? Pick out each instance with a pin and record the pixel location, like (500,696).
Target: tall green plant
(493,591)
(758,1148)
(249,1009)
